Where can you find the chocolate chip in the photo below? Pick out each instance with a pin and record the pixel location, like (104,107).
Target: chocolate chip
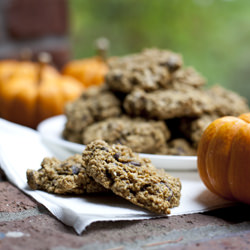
(180,150)
(116,156)
(169,197)
(135,163)
(118,141)
(105,149)
(110,178)
(117,77)
(75,169)
(172,63)
(144,188)
(132,192)
(64,164)
(84,117)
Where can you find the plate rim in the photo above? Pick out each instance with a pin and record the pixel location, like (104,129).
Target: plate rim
(76,146)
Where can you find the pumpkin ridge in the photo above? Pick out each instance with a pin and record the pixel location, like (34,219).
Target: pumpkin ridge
(229,161)
(245,117)
(240,174)
(211,155)
(202,159)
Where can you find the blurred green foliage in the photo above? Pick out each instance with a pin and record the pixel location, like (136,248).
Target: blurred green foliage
(212,35)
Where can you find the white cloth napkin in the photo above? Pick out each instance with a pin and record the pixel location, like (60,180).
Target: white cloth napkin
(22,148)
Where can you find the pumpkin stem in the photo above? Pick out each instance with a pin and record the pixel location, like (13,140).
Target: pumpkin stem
(102,46)
(25,54)
(44,59)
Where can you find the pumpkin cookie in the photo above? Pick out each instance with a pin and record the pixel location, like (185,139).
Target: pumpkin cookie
(187,77)
(117,168)
(180,146)
(63,177)
(149,70)
(193,128)
(166,104)
(140,135)
(95,104)
(227,102)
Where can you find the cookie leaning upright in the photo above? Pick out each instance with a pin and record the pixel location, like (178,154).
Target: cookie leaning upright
(117,168)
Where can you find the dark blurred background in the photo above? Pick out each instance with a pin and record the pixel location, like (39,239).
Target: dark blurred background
(212,35)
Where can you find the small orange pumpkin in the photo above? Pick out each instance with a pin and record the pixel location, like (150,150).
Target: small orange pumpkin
(31,92)
(6,68)
(90,71)
(224,157)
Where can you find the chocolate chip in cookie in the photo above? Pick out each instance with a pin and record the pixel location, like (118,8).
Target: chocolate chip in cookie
(63,177)
(131,177)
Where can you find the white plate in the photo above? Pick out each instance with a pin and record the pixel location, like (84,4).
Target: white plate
(51,130)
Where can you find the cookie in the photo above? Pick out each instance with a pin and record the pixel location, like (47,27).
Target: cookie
(117,168)
(140,135)
(149,70)
(95,104)
(180,146)
(193,128)
(63,177)
(167,104)
(227,102)
(187,77)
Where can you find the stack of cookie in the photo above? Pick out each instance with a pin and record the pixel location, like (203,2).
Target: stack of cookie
(151,103)
(103,168)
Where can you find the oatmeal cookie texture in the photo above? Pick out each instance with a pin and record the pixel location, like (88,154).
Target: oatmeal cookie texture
(193,128)
(180,146)
(138,134)
(63,177)
(95,104)
(117,168)
(227,102)
(149,70)
(187,77)
(166,104)
(153,84)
